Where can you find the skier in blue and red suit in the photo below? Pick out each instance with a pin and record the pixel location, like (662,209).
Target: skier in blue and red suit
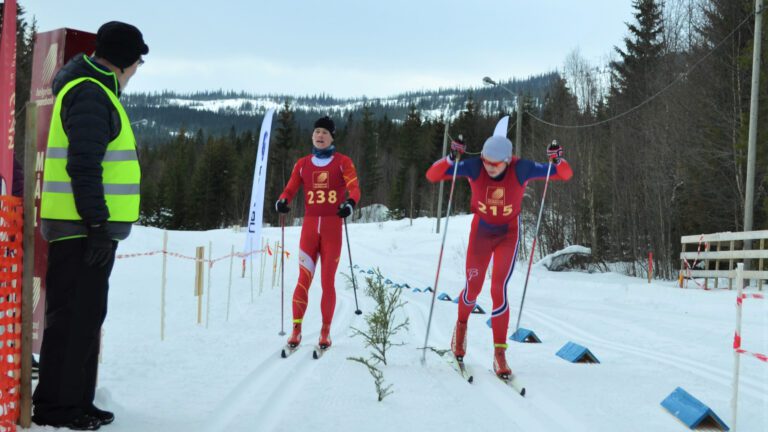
(498,181)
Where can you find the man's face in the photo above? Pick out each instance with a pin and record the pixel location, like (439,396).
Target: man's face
(493,167)
(128,74)
(321,138)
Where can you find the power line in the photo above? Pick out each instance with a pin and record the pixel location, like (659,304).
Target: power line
(654,96)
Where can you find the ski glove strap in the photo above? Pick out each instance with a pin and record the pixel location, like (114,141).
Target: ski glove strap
(555,152)
(346,208)
(282,206)
(457,148)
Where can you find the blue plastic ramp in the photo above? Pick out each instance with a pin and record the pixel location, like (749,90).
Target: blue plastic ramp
(691,411)
(524,335)
(576,353)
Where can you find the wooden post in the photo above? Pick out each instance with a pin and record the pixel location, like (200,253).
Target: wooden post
(274,263)
(199,254)
(162,285)
(760,281)
(681,276)
(706,266)
(250,260)
(717,263)
(262,261)
(208,294)
(730,265)
(229,288)
(262,265)
(650,266)
(27,284)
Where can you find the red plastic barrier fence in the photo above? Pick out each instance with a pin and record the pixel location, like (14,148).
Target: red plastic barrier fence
(11,219)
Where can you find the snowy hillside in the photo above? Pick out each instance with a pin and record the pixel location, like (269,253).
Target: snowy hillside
(228,375)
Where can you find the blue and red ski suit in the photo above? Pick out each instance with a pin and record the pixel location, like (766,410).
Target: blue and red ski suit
(495,228)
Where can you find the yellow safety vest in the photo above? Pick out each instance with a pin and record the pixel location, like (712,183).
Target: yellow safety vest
(121,174)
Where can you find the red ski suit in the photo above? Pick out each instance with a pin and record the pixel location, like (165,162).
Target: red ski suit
(325,183)
(495,228)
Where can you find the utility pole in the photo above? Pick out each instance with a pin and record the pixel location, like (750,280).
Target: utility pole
(519,131)
(440,186)
(753,105)
(518,144)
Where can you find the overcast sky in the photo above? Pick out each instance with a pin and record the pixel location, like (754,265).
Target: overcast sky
(347,47)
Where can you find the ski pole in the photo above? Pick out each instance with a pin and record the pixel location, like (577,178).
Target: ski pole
(440,257)
(533,246)
(351,269)
(282,276)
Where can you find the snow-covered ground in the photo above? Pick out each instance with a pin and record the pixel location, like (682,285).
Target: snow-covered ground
(228,375)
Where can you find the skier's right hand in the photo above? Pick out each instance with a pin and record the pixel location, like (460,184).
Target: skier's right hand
(457,148)
(282,206)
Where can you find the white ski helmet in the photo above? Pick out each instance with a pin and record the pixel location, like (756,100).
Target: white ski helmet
(497,148)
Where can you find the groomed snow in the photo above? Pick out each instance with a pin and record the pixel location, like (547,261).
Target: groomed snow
(650,338)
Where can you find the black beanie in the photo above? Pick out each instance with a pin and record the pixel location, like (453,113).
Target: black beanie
(119,43)
(327,124)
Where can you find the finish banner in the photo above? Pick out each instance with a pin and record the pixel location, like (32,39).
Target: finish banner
(256,210)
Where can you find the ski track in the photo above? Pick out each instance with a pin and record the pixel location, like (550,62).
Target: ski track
(530,413)
(697,368)
(272,384)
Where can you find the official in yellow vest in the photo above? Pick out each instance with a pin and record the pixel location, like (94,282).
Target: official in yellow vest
(90,199)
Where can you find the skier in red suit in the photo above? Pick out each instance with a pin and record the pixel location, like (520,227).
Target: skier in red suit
(498,181)
(326,176)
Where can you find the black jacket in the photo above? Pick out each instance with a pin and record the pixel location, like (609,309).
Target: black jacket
(90,121)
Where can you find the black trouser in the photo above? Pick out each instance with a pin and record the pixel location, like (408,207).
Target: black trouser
(75,308)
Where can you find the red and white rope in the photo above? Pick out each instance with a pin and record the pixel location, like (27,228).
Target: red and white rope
(688,266)
(737,335)
(210,262)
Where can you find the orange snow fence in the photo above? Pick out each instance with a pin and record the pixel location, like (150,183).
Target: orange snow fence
(11,218)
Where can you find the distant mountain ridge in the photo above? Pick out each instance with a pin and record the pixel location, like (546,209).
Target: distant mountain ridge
(219,111)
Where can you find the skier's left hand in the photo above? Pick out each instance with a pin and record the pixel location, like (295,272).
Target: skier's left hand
(555,152)
(346,208)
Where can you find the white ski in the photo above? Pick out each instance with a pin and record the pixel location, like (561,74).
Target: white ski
(319,351)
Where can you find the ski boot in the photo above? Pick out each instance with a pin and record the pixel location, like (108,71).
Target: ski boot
(295,338)
(500,366)
(325,337)
(459,340)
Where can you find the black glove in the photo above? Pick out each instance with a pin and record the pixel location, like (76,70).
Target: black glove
(282,206)
(99,247)
(555,152)
(346,208)
(457,148)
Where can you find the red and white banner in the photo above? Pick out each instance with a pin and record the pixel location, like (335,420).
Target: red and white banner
(51,52)
(7,94)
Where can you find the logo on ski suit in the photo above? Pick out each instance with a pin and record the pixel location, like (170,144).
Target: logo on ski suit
(472,273)
(320,180)
(494,196)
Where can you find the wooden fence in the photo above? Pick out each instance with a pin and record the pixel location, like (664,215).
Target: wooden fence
(714,256)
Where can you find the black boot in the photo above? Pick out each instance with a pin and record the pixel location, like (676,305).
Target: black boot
(81,422)
(105,417)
